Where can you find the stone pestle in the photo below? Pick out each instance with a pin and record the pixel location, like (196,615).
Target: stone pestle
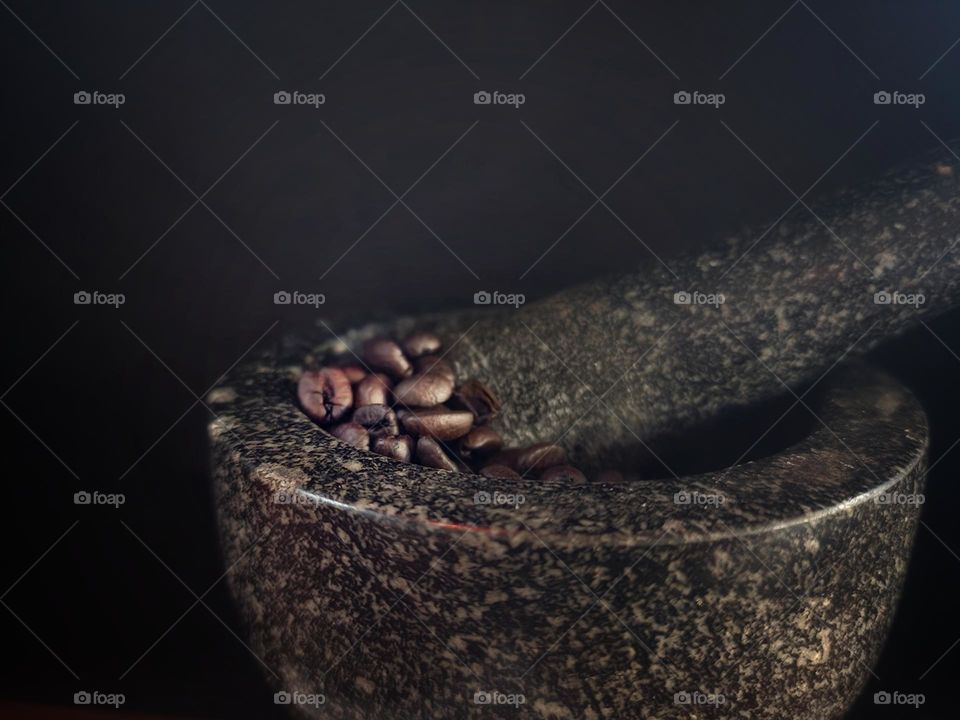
(321,536)
(622,361)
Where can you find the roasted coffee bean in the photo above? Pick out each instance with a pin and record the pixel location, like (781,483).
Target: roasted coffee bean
(434,364)
(508,456)
(377,419)
(353,434)
(500,472)
(476,397)
(430,453)
(399,447)
(431,409)
(439,422)
(354,373)
(480,442)
(540,456)
(564,473)
(386,355)
(426,390)
(325,394)
(373,390)
(421,343)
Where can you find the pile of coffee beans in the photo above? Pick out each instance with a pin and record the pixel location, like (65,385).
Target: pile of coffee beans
(405,402)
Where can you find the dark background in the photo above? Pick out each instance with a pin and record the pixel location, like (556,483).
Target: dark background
(111,407)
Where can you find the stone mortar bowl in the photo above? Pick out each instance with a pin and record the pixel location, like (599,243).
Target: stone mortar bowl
(759,589)
(765,590)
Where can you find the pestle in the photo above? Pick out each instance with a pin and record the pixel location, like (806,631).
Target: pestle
(745,577)
(615,361)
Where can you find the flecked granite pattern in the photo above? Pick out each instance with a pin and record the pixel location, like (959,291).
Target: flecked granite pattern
(797,298)
(386,588)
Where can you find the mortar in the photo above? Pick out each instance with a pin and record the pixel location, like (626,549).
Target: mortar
(394,591)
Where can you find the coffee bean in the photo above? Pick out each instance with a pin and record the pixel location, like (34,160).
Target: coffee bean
(563,473)
(353,434)
(354,373)
(430,453)
(480,442)
(373,390)
(540,456)
(434,364)
(434,410)
(476,397)
(425,390)
(508,456)
(377,419)
(500,472)
(325,394)
(440,423)
(386,355)
(399,447)
(420,343)
(610,476)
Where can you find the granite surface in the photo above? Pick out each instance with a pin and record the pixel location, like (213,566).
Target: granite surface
(759,591)
(797,297)
(764,591)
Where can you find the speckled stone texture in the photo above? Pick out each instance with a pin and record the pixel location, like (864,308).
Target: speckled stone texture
(797,298)
(390,591)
